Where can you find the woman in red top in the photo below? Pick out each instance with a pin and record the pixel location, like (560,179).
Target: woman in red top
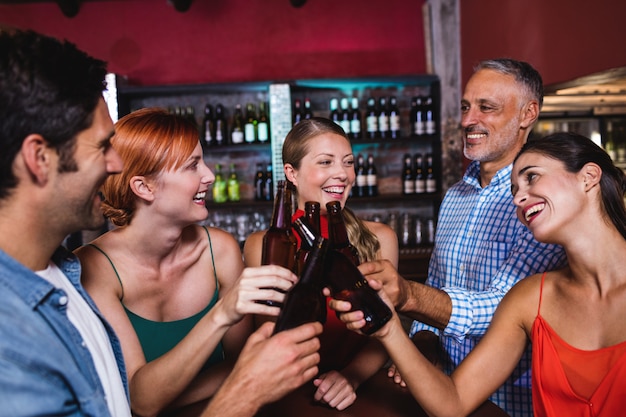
(319,162)
(568,192)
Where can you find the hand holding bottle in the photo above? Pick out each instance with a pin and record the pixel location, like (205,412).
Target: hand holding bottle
(268,282)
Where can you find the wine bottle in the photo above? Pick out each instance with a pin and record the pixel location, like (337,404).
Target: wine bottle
(233,184)
(334,111)
(430,126)
(268,183)
(420,178)
(371,177)
(420,118)
(371,118)
(344,116)
(236,135)
(263,127)
(221,126)
(361,178)
(408,180)
(259,183)
(297,112)
(431,181)
(220,194)
(279,244)
(338,234)
(394,118)
(305,302)
(250,126)
(383,118)
(355,119)
(208,126)
(348,284)
(308,112)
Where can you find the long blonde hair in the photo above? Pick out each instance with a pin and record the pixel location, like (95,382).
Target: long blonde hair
(296,147)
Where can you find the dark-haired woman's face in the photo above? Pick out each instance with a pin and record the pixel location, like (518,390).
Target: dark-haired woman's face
(547,196)
(326,172)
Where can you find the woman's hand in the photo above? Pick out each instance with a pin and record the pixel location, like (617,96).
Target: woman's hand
(267,282)
(334,390)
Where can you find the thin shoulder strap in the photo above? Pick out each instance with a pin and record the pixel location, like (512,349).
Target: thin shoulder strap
(540,294)
(112,265)
(217,284)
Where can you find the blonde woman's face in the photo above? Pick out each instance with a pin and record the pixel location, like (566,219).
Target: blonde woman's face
(326,172)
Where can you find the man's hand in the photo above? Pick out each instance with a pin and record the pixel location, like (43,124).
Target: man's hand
(268,368)
(395,286)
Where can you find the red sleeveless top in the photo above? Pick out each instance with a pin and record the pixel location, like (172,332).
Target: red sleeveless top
(572,382)
(338,344)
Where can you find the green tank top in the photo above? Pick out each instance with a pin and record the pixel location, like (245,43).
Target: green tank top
(159,337)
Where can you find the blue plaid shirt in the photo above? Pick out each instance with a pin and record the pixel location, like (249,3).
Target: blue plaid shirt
(481,251)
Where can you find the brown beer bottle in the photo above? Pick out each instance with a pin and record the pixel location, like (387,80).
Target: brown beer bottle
(279,244)
(308,228)
(348,284)
(305,302)
(337,233)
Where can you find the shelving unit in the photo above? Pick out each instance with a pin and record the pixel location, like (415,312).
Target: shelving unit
(387,153)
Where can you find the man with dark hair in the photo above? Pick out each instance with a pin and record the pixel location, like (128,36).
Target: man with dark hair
(58,356)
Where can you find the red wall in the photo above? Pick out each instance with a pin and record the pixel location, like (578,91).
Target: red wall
(238,40)
(563,39)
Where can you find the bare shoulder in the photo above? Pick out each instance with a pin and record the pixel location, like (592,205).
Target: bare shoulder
(252,248)
(97,269)
(381,230)
(221,241)
(388,240)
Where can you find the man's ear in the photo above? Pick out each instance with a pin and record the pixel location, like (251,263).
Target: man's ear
(290,174)
(591,174)
(141,187)
(530,113)
(37,157)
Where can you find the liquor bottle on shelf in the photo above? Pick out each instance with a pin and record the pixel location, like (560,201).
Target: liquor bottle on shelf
(263,127)
(361,177)
(420,177)
(279,244)
(347,283)
(413,116)
(334,111)
(268,183)
(430,126)
(394,118)
(236,136)
(208,126)
(250,126)
(383,118)
(308,111)
(305,302)
(220,194)
(420,118)
(221,126)
(371,179)
(431,181)
(297,111)
(344,116)
(233,184)
(408,180)
(355,119)
(338,234)
(259,183)
(371,119)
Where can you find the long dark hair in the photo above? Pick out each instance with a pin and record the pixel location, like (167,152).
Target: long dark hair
(574,151)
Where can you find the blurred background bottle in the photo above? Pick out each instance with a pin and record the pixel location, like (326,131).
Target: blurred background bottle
(355,119)
(259,183)
(394,118)
(236,136)
(263,127)
(221,126)
(371,118)
(383,118)
(250,125)
(233,184)
(344,116)
(297,112)
(371,177)
(208,126)
(220,194)
(408,180)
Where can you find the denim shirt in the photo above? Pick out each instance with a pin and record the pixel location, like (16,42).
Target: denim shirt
(45,367)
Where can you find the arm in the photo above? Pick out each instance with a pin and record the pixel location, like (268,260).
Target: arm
(267,369)
(338,388)
(480,374)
